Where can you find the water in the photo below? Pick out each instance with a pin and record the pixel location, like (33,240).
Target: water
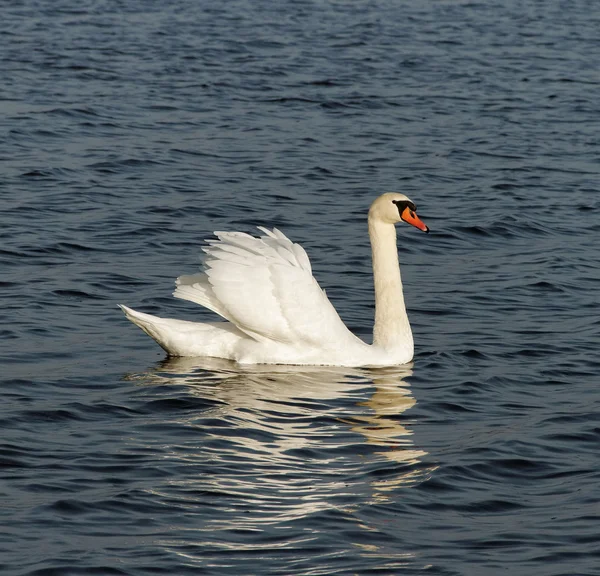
(131,131)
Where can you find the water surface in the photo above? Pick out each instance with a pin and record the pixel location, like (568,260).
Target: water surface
(131,131)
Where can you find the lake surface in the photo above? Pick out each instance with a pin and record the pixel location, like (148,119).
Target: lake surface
(132,130)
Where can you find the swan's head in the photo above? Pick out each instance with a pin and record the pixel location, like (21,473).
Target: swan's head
(394,207)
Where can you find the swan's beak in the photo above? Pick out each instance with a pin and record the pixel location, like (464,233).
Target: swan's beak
(410,217)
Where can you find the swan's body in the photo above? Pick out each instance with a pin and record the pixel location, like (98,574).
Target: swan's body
(275,311)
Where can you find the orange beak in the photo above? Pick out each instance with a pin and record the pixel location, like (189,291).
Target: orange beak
(410,217)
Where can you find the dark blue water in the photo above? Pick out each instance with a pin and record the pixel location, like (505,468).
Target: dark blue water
(131,130)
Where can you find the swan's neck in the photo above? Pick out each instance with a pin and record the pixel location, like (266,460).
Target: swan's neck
(392,329)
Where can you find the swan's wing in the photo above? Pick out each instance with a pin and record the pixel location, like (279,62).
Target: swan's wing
(266,288)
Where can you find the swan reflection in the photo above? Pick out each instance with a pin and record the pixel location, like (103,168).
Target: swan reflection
(307,431)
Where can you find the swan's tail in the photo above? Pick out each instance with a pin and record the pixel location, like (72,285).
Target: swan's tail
(139,318)
(152,325)
(184,338)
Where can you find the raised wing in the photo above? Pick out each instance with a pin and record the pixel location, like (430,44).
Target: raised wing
(266,288)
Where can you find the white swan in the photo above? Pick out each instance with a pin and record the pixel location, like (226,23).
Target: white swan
(275,311)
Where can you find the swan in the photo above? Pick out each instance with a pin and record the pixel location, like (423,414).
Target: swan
(275,311)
